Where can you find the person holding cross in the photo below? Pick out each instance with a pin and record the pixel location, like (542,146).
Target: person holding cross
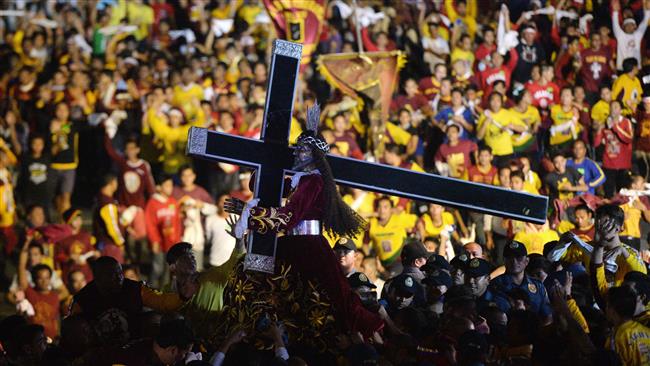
(314,205)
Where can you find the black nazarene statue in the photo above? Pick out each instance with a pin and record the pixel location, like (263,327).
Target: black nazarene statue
(314,205)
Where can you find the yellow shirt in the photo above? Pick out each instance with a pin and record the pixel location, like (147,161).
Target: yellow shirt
(561,117)
(137,14)
(632,343)
(534,241)
(631,225)
(469,20)
(364,205)
(173,139)
(432,230)
(184,99)
(387,240)
(600,112)
(529,119)
(7,204)
(631,89)
(532,184)
(500,141)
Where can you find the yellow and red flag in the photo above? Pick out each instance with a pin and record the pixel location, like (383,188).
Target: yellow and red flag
(298,21)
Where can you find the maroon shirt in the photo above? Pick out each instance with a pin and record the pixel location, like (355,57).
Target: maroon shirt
(416,102)
(595,68)
(464,147)
(198,193)
(643,132)
(136,180)
(80,243)
(348,146)
(618,145)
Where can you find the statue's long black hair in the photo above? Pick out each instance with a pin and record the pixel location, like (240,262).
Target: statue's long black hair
(338,218)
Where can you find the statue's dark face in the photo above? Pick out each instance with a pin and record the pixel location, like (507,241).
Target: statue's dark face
(302,157)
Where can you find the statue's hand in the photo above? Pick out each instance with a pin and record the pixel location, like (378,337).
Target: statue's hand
(234,206)
(231,221)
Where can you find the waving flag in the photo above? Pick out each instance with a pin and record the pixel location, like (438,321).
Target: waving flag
(298,21)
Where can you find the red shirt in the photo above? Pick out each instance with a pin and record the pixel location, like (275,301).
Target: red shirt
(492,74)
(484,51)
(544,96)
(565,73)
(618,145)
(477,176)
(46,310)
(163,220)
(595,68)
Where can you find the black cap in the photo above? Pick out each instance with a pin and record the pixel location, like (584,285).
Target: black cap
(460,260)
(477,267)
(515,249)
(405,283)
(413,250)
(358,279)
(438,278)
(436,261)
(345,244)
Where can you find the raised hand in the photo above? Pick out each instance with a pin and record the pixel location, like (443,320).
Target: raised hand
(234,206)
(231,221)
(606,230)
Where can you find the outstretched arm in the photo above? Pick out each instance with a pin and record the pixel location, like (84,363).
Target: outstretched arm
(281,219)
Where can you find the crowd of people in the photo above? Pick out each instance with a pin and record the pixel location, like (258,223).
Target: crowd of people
(117,248)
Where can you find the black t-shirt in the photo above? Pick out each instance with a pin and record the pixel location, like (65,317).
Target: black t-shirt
(34,181)
(528,57)
(554,180)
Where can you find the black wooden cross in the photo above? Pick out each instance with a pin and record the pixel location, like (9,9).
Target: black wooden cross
(272,157)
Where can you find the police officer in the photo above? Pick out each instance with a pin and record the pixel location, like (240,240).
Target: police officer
(344,250)
(367,291)
(458,264)
(477,278)
(515,280)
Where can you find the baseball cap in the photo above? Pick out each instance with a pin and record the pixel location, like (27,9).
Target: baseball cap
(345,244)
(436,261)
(515,249)
(477,267)
(413,250)
(404,283)
(359,279)
(460,260)
(438,278)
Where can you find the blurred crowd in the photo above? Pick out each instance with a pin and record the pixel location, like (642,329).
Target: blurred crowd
(547,97)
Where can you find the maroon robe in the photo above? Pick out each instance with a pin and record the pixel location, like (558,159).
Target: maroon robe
(306,203)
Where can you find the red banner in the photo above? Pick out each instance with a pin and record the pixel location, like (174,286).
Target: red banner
(298,21)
